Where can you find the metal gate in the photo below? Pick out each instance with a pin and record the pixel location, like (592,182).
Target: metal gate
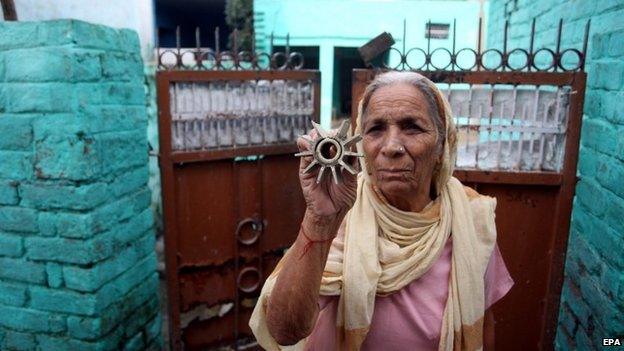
(228,122)
(518,114)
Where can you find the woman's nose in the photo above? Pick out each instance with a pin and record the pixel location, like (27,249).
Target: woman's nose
(393,147)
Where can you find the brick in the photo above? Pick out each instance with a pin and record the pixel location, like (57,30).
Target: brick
(13,294)
(47,196)
(129,41)
(70,156)
(588,162)
(90,35)
(572,295)
(40,97)
(132,229)
(2,67)
(591,196)
(610,281)
(616,49)
(122,150)
(92,278)
(53,343)
(22,270)
(69,64)
(92,328)
(76,225)
(17,34)
(583,342)
(16,131)
(121,285)
(611,175)
(614,213)
(563,341)
(599,135)
(8,192)
(68,250)
(31,320)
(123,93)
(141,316)
(603,309)
(122,66)
(567,319)
(18,219)
(65,301)
(113,118)
(54,273)
(135,343)
(11,245)
(19,341)
(16,165)
(153,328)
(47,222)
(111,214)
(130,181)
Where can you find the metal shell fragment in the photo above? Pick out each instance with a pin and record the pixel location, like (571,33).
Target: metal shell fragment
(320,147)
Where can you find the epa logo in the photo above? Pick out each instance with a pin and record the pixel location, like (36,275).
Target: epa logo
(611,342)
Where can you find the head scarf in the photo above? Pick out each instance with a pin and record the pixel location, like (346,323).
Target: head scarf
(383,249)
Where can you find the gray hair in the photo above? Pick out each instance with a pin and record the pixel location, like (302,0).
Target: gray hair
(417,81)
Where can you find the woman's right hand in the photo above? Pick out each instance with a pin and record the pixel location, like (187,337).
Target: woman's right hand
(326,201)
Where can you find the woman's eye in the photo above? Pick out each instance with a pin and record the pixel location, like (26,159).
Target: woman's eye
(413,127)
(374,129)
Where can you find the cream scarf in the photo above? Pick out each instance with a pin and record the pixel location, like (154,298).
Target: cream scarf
(384,249)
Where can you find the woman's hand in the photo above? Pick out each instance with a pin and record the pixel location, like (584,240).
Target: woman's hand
(326,201)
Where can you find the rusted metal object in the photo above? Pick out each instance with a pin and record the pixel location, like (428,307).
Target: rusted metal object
(8,9)
(533,206)
(331,151)
(224,204)
(204,58)
(543,59)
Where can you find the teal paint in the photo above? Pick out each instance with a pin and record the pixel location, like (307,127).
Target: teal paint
(351,23)
(77,261)
(592,299)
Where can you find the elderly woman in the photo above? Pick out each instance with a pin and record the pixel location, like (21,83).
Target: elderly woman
(400,257)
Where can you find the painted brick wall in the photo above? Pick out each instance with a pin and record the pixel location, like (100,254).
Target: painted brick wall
(77,260)
(592,301)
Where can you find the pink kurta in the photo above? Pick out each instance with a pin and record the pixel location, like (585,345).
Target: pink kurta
(411,319)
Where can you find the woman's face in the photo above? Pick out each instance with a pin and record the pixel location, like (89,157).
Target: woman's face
(400,143)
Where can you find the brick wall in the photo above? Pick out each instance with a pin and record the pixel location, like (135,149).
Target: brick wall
(77,261)
(592,301)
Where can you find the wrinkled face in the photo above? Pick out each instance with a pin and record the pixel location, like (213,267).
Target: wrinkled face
(400,142)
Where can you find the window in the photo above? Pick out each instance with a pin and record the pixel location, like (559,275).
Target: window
(437,30)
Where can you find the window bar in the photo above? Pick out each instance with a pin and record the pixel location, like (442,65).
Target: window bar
(531,43)
(533,132)
(514,107)
(523,117)
(245,110)
(585,38)
(469,115)
(558,52)
(500,134)
(478,59)
(490,113)
(540,158)
(454,54)
(478,139)
(428,57)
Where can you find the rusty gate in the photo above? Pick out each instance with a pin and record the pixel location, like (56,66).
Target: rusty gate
(518,113)
(228,122)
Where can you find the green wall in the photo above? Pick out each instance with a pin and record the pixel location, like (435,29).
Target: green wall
(592,299)
(351,23)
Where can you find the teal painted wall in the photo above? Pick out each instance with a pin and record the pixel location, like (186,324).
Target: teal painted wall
(351,23)
(592,300)
(77,260)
